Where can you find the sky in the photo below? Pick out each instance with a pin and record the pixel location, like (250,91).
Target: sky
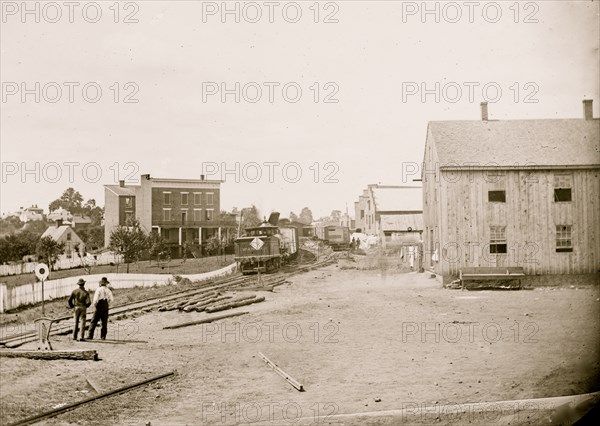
(323,108)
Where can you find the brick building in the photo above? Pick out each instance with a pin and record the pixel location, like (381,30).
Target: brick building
(181,210)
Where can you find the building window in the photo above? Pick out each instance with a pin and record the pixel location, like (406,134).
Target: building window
(197,215)
(183,217)
(497,239)
(562,188)
(362,214)
(197,198)
(497,196)
(167,215)
(68,236)
(209,214)
(564,241)
(127,201)
(167,198)
(210,200)
(184,198)
(128,217)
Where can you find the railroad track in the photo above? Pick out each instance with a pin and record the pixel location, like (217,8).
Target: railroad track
(230,283)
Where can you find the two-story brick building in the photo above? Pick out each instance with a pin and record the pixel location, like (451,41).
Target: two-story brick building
(520,193)
(181,210)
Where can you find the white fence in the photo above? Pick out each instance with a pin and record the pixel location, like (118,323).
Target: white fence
(11,298)
(105,258)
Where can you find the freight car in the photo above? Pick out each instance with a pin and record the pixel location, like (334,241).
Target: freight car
(266,247)
(338,237)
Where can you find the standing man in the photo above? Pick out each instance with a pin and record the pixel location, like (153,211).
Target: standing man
(80,300)
(103,297)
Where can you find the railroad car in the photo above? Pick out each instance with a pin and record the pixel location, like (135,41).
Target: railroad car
(338,237)
(266,247)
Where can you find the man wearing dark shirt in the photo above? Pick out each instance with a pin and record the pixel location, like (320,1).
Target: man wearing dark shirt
(80,300)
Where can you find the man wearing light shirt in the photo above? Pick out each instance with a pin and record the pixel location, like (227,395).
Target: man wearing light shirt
(103,297)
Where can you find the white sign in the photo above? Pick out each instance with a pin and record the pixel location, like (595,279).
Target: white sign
(257,243)
(42,271)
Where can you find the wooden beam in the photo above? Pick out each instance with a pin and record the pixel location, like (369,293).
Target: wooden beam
(234,304)
(90,355)
(52,413)
(114,342)
(204,321)
(296,384)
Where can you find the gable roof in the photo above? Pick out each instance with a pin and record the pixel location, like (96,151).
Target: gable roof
(397,198)
(56,232)
(517,143)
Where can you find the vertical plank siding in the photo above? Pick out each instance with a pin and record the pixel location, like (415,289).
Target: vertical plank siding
(461,217)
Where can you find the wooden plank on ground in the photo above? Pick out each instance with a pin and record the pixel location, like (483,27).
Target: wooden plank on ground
(295,383)
(204,321)
(89,355)
(52,413)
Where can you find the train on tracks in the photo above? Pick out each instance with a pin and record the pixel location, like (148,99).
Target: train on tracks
(266,247)
(338,237)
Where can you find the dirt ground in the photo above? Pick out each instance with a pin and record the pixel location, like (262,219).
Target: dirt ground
(358,338)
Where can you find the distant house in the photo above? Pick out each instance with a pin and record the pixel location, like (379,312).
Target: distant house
(80,222)
(66,234)
(60,215)
(520,193)
(31,214)
(390,212)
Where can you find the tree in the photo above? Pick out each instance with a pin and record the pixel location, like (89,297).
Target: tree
(157,246)
(49,250)
(250,217)
(10,224)
(306,216)
(93,237)
(70,200)
(129,241)
(294,217)
(16,245)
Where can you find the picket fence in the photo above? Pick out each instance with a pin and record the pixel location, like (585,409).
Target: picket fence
(105,258)
(11,298)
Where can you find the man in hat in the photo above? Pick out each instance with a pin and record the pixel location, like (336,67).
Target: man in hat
(103,297)
(80,300)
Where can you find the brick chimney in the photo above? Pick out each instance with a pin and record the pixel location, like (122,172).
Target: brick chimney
(122,183)
(588,109)
(201,177)
(484,111)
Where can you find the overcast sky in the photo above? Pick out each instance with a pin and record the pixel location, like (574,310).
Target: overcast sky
(376,54)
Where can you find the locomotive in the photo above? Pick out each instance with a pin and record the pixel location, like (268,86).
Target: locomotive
(266,247)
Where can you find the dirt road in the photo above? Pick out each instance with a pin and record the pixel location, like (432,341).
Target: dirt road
(357,340)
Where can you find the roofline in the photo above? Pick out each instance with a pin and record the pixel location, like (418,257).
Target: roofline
(522,167)
(186,180)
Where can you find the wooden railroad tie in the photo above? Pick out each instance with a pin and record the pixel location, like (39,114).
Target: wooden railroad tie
(296,384)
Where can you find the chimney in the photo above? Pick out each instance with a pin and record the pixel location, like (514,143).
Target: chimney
(484,111)
(122,183)
(201,177)
(588,110)
(147,177)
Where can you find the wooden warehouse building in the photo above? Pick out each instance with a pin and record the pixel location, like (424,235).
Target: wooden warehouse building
(513,193)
